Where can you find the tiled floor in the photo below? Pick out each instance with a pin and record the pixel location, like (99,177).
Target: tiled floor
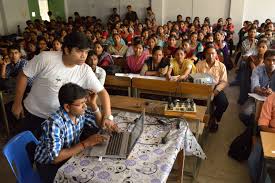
(218,167)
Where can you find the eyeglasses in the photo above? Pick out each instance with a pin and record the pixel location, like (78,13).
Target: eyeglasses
(80,104)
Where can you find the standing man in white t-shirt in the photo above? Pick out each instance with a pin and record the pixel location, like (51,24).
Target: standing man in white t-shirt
(50,71)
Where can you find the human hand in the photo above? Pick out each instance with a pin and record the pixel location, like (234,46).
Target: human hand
(91,98)
(175,78)
(109,125)
(94,140)
(216,92)
(17,110)
(267,91)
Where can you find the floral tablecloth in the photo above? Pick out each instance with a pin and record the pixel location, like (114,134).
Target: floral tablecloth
(150,160)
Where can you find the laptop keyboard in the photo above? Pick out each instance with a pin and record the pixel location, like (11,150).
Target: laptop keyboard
(114,144)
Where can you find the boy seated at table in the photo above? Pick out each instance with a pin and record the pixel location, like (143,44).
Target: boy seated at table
(61,132)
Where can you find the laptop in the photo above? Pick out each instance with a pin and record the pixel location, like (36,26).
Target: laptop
(120,145)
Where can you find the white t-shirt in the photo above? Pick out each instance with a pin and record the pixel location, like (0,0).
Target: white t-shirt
(49,75)
(100,74)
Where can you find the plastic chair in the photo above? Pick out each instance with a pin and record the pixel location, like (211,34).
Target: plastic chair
(16,153)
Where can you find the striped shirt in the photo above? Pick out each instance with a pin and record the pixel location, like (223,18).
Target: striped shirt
(59,132)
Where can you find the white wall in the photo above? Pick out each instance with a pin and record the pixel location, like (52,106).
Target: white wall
(16,13)
(214,9)
(103,8)
(261,10)
(172,8)
(2,19)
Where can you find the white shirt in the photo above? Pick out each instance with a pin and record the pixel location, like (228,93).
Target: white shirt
(50,74)
(100,74)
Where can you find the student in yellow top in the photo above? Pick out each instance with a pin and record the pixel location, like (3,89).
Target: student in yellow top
(180,67)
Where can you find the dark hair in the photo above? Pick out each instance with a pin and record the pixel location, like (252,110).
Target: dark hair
(269,53)
(91,53)
(172,36)
(57,39)
(208,46)
(252,28)
(76,40)
(137,41)
(149,8)
(264,41)
(70,92)
(156,48)
(180,49)
(13,47)
(208,35)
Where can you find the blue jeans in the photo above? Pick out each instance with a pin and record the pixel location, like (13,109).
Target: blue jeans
(256,165)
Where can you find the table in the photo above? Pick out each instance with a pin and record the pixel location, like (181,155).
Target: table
(149,161)
(268,144)
(157,108)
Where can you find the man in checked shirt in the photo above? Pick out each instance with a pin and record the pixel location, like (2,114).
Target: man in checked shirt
(61,132)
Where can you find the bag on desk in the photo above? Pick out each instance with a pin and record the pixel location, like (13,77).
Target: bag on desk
(241,146)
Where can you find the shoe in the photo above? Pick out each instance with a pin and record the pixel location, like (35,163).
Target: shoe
(213,128)
(234,83)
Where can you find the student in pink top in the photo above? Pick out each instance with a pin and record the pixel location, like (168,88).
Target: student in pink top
(136,61)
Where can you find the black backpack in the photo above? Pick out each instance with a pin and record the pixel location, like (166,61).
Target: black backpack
(241,146)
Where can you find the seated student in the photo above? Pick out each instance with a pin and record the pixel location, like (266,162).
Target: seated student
(217,69)
(252,62)
(260,82)
(9,71)
(180,68)
(61,132)
(156,65)
(249,44)
(269,36)
(189,54)
(266,123)
(117,48)
(256,60)
(151,43)
(196,46)
(105,59)
(171,48)
(222,47)
(162,37)
(136,61)
(31,50)
(92,61)
(42,45)
(57,45)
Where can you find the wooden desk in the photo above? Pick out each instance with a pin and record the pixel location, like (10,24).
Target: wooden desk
(118,83)
(152,107)
(268,142)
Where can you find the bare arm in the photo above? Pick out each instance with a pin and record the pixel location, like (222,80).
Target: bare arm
(21,85)
(267,129)
(105,102)
(169,72)
(69,152)
(3,70)
(185,74)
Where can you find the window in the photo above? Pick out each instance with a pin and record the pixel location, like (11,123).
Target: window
(43,7)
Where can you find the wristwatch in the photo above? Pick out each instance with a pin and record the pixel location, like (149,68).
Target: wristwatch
(109,117)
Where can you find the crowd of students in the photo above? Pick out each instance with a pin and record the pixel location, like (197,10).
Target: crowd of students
(51,54)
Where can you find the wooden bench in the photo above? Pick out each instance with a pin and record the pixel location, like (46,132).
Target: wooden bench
(118,83)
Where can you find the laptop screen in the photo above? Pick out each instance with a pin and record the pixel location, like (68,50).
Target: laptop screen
(137,131)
